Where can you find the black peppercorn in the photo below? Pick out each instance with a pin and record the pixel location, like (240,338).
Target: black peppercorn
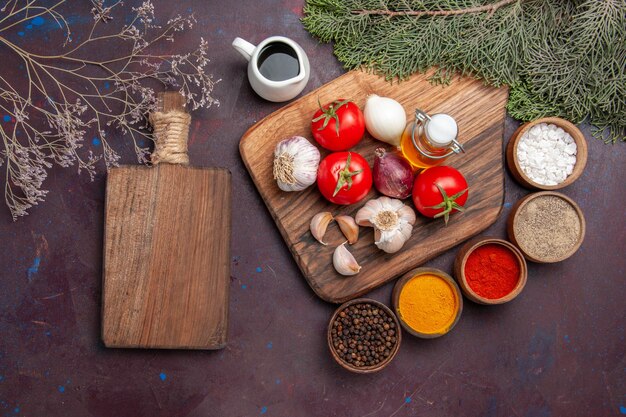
(361,335)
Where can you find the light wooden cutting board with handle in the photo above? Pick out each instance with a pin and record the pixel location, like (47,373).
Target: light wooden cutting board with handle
(166,254)
(479,111)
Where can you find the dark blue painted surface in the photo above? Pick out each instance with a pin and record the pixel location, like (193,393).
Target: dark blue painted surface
(558,350)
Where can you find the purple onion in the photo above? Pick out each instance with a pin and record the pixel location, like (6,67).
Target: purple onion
(393,175)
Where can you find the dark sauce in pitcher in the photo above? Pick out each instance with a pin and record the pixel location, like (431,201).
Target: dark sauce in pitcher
(278,62)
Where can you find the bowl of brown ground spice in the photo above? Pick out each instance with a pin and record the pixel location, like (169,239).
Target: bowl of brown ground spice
(546,226)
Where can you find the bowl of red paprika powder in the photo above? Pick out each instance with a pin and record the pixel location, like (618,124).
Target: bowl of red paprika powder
(490,270)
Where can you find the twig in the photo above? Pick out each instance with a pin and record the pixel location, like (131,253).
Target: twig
(491,8)
(66,96)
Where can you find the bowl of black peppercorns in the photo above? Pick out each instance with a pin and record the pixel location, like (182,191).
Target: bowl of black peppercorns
(364,335)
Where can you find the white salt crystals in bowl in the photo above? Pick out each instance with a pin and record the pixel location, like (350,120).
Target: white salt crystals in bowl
(547,154)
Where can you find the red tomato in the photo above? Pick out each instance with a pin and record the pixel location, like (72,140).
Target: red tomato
(339,125)
(440,191)
(344,177)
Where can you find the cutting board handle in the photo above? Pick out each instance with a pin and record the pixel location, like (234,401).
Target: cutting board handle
(170,101)
(171,129)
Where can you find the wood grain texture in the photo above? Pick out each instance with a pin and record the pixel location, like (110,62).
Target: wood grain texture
(479,111)
(166,257)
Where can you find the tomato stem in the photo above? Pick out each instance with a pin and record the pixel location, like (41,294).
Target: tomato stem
(345,176)
(448,204)
(330,113)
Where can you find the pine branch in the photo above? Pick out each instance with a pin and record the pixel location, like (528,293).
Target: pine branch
(560,58)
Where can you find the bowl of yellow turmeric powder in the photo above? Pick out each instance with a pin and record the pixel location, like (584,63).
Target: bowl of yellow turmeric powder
(428,302)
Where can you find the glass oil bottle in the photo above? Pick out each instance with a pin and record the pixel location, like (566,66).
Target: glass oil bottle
(429,140)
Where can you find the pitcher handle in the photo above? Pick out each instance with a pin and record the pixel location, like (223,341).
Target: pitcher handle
(244,47)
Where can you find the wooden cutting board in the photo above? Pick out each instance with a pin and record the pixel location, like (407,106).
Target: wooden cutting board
(479,111)
(166,257)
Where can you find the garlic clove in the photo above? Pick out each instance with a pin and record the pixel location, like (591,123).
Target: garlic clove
(389,242)
(406,229)
(364,215)
(344,261)
(318,226)
(384,202)
(394,204)
(390,204)
(367,212)
(376,204)
(407,214)
(348,227)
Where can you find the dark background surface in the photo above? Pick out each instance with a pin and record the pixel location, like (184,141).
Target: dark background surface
(557,350)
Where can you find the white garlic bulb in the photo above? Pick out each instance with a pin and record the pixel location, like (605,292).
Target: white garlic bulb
(295,163)
(385,119)
(391,219)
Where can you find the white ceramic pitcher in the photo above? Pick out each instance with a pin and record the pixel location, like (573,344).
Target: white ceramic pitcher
(277,89)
